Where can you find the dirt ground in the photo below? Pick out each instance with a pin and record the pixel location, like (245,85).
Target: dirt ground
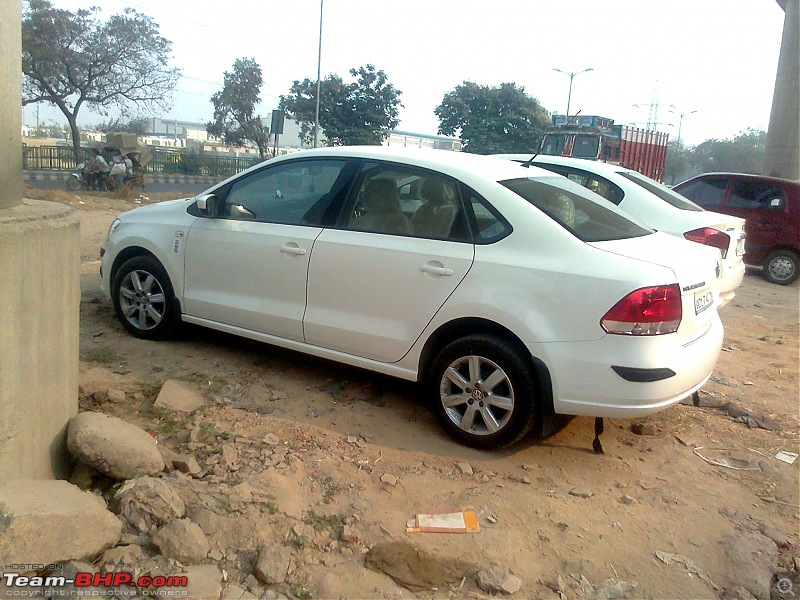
(340,431)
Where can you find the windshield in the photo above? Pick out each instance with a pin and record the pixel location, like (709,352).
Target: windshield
(571,206)
(662,191)
(553,145)
(586,146)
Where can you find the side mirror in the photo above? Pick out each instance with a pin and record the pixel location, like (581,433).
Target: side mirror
(208,205)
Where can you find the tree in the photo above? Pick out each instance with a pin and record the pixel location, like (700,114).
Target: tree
(235,118)
(138,125)
(492,119)
(743,153)
(74,59)
(357,113)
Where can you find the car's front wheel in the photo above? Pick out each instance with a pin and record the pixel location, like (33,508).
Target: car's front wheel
(781,267)
(144,299)
(482,391)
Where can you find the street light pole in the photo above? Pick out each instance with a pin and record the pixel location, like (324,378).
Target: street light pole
(571,77)
(680,121)
(319,72)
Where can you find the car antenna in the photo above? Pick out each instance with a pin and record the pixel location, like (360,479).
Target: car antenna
(529,162)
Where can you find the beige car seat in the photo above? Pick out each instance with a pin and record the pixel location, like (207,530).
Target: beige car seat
(382,212)
(435,217)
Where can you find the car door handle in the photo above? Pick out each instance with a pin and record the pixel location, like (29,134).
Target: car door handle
(436,270)
(293,249)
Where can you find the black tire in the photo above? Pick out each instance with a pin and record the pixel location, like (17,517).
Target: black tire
(74,184)
(781,267)
(144,299)
(479,359)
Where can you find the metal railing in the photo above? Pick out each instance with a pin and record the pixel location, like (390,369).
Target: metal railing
(179,162)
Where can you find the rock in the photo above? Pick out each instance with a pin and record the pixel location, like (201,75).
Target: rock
(349,534)
(216,555)
(465,468)
(685,440)
(116,395)
(751,561)
(234,592)
(643,428)
(112,446)
(207,519)
(768,468)
(229,456)
(67,570)
(389,479)
(45,522)
(625,499)
(273,563)
(178,396)
(130,555)
(581,492)
(186,464)
(737,592)
(83,476)
(498,579)
(205,581)
(781,539)
(147,502)
(520,478)
(271,439)
(182,540)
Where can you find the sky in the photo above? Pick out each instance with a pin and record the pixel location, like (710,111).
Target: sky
(648,57)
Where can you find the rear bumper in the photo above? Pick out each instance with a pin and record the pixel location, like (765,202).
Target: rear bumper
(584,382)
(732,276)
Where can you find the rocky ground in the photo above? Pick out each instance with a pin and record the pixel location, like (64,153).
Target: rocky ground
(300,474)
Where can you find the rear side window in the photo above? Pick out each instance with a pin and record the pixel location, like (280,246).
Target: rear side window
(487,224)
(574,209)
(708,191)
(662,191)
(599,185)
(755,195)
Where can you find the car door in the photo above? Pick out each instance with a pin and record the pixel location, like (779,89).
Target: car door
(378,278)
(247,266)
(763,205)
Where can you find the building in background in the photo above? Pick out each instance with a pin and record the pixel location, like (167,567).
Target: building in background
(408,139)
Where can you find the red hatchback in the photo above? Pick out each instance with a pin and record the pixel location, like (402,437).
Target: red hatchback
(771,207)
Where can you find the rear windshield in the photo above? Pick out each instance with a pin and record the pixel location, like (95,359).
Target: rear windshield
(571,206)
(662,191)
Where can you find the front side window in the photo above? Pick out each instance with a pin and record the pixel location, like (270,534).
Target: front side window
(295,192)
(708,191)
(662,191)
(553,145)
(574,209)
(398,200)
(755,195)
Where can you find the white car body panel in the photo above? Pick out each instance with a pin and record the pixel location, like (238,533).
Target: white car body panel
(361,299)
(651,210)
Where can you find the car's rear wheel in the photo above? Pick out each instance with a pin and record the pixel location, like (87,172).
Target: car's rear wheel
(144,299)
(482,391)
(781,267)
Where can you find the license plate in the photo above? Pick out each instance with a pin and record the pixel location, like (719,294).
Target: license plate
(740,247)
(703,301)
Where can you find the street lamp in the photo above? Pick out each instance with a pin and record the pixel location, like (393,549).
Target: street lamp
(571,77)
(319,71)
(680,120)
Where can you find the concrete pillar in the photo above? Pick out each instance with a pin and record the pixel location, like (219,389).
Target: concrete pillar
(10,103)
(39,296)
(782,151)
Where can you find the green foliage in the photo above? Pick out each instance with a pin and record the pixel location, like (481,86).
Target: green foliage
(74,59)
(358,113)
(187,163)
(235,118)
(492,119)
(743,153)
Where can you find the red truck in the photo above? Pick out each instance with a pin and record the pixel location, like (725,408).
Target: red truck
(597,138)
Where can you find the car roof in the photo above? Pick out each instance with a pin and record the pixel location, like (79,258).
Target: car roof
(568,161)
(755,176)
(458,164)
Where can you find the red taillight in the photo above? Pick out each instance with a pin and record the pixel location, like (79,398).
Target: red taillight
(710,237)
(647,311)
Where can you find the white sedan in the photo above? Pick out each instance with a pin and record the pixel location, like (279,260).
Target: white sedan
(508,294)
(658,207)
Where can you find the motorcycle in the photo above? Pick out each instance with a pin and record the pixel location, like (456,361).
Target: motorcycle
(79,179)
